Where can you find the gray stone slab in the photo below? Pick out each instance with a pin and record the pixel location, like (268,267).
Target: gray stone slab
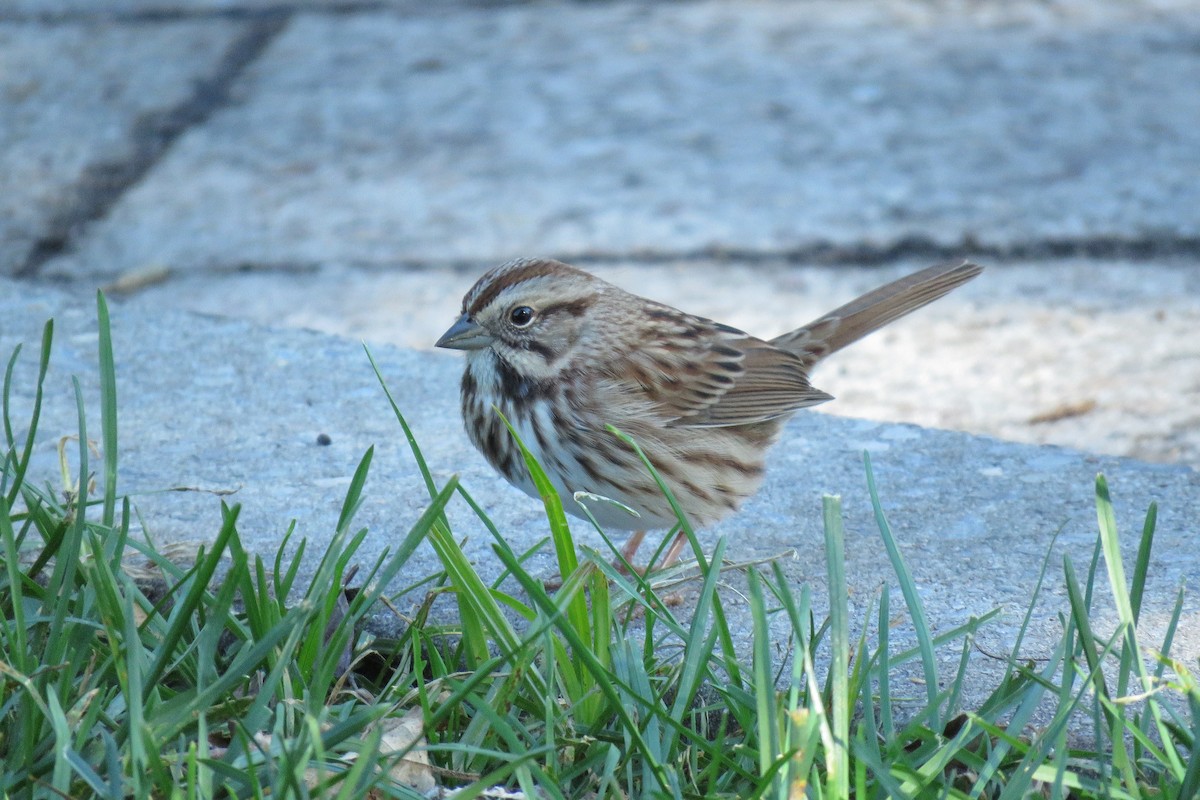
(672,128)
(224,404)
(71,95)
(1098,355)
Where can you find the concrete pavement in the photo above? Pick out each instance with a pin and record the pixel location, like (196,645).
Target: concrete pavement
(351,166)
(232,412)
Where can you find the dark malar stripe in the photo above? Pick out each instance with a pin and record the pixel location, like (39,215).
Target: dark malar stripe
(519,389)
(534,346)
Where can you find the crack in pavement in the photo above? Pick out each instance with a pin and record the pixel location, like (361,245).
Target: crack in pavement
(910,248)
(102,185)
(1114,247)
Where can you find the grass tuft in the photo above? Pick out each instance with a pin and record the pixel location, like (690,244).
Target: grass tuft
(232,677)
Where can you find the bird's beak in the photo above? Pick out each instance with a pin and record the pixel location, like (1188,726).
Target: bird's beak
(465,334)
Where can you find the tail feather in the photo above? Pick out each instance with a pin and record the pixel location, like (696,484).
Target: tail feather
(869,313)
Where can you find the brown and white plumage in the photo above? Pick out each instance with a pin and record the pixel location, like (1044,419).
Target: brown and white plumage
(563,354)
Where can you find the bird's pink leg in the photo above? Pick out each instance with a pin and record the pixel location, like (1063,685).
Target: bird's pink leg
(672,554)
(629,551)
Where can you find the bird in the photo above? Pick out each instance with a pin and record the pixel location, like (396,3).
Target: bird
(563,355)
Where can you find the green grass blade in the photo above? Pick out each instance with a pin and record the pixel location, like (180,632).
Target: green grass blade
(426,475)
(580,647)
(66,567)
(22,462)
(1131,652)
(1031,699)
(731,662)
(838,760)
(764,681)
(108,410)
(1142,563)
(99,787)
(1110,542)
(560,535)
(908,588)
(353,497)
(61,781)
(10,439)
(886,723)
(1015,652)
(564,547)
(1120,756)
(176,714)
(15,630)
(475,599)
(1189,786)
(418,533)
(181,616)
(1169,634)
(697,645)
(135,693)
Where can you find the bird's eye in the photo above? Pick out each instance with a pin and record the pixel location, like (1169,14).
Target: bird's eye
(521,316)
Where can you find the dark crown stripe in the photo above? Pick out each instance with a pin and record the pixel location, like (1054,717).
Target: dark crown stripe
(485,293)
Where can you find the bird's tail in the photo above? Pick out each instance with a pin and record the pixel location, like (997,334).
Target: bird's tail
(869,313)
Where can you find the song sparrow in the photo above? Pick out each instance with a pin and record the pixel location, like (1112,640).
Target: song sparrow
(562,354)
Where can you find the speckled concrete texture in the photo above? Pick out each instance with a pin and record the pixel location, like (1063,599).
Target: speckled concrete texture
(218,405)
(71,97)
(351,167)
(1095,354)
(390,138)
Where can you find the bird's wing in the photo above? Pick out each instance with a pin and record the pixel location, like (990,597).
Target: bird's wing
(699,373)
